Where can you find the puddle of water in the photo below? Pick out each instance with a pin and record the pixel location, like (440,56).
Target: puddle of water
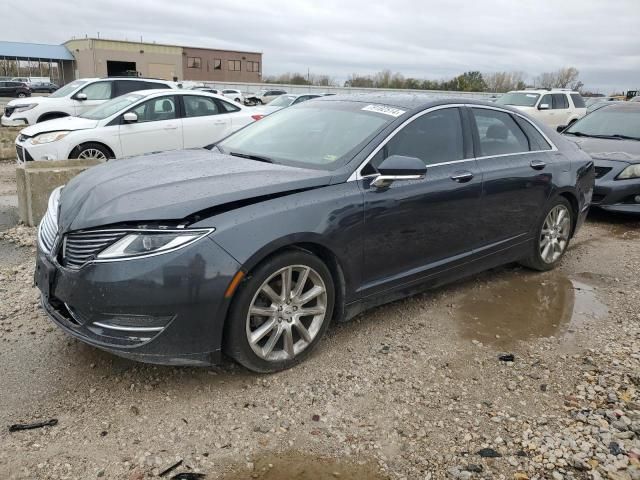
(296,466)
(526,306)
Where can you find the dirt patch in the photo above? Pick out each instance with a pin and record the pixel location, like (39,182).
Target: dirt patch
(296,466)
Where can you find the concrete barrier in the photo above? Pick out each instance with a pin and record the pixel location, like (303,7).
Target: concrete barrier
(7,142)
(36,180)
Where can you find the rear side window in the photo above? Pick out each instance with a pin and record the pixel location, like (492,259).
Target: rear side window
(578,101)
(199,106)
(228,107)
(154,85)
(560,101)
(435,137)
(536,140)
(127,86)
(499,133)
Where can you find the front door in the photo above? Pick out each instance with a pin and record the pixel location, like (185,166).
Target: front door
(158,128)
(418,227)
(516,171)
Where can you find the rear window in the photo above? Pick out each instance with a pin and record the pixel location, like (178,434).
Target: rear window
(519,99)
(498,133)
(578,101)
(536,139)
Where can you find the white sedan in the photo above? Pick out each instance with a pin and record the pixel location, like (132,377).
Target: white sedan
(137,123)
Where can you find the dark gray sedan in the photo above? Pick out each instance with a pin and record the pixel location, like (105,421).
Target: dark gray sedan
(611,135)
(311,215)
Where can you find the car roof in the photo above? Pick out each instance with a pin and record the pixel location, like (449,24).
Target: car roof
(409,101)
(627,106)
(170,91)
(545,90)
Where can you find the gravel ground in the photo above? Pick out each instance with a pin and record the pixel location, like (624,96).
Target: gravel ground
(411,390)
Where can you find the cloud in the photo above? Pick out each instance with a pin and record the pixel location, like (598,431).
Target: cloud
(425,39)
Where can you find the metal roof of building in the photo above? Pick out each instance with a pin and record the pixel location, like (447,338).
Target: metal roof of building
(34,50)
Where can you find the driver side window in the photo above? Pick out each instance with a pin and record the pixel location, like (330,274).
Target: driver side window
(98,91)
(156,109)
(435,137)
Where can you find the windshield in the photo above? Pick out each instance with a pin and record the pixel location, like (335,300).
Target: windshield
(282,101)
(519,99)
(323,135)
(67,89)
(609,122)
(111,107)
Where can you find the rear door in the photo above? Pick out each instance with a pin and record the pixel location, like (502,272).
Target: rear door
(561,109)
(204,122)
(517,176)
(416,228)
(158,128)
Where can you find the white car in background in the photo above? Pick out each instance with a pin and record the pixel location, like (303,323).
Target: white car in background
(235,95)
(134,124)
(284,101)
(555,107)
(74,98)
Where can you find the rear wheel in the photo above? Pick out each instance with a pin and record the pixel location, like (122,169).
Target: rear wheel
(553,237)
(237,100)
(280,313)
(22,95)
(91,151)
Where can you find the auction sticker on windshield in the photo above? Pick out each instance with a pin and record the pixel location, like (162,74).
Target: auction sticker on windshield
(394,112)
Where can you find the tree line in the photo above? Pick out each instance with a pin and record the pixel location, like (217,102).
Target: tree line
(472,81)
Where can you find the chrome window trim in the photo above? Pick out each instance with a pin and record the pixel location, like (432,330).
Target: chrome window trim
(356,175)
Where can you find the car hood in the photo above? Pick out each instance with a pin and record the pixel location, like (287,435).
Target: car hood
(65,123)
(171,186)
(609,149)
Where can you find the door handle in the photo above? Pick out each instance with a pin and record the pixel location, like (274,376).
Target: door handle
(170,127)
(462,177)
(537,164)
(220,122)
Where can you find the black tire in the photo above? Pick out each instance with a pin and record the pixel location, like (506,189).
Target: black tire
(22,95)
(260,102)
(236,343)
(236,100)
(535,259)
(83,151)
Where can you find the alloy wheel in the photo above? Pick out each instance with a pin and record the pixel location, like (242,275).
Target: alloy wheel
(286,313)
(92,154)
(554,236)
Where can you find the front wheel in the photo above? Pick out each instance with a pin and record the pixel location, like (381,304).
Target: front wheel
(237,100)
(553,237)
(91,151)
(280,312)
(22,95)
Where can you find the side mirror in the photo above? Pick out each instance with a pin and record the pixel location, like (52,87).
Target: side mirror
(80,96)
(544,106)
(130,117)
(560,128)
(399,167)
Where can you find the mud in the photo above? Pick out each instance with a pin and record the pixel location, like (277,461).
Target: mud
(522,306)
(296,466)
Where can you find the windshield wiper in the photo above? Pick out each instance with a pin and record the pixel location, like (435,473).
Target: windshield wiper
(251,157)
(624,137)
(608,137)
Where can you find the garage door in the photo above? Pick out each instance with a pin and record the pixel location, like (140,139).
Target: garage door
(165,71)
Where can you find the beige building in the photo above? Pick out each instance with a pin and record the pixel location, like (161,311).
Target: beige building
(101,58)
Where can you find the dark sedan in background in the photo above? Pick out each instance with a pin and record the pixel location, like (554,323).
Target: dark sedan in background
(315,213)
(611,135)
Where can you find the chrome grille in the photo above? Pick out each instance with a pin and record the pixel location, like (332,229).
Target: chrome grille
(48,229)
(82,247)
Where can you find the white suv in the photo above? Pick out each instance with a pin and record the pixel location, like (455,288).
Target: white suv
(235,95)
(555,108)
(74,98)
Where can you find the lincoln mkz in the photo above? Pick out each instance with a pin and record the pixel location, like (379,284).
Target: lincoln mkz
(252,246)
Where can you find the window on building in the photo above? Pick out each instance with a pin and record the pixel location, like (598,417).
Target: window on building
(194,62)
(217,64)
(253,66)
(235,65)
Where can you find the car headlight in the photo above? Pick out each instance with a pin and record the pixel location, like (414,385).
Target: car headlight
(25,107)
(632,171)
(151,242)
(49,137)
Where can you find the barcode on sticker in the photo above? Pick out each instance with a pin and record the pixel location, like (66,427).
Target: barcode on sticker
(394,112)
